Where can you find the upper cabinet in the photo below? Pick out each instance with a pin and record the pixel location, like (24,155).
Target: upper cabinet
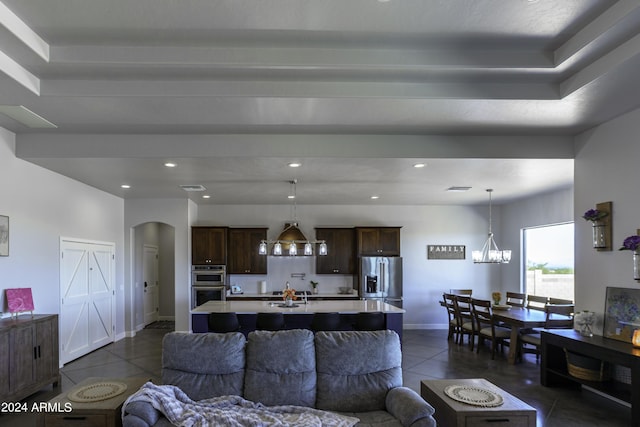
(243,251)
(378,241)
(341,245)
(208,245)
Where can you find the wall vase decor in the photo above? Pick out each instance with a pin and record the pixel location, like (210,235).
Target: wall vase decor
(599,236)
(632,243)
(600,219)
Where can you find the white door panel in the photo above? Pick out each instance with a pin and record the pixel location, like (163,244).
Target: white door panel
(150,283)
(87,297)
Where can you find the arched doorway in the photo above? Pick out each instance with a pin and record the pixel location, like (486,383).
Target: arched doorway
(152,239)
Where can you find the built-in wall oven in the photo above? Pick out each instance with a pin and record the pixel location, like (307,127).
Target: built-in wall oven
(207,284)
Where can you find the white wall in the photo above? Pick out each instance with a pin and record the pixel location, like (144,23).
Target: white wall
(424,280)
(606,169)
(43,206)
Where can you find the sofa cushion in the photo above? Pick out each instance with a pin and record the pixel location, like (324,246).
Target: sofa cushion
(356,369)
(204,365)
(281,368)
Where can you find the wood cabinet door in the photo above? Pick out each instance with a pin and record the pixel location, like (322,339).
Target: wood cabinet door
(389,241)
(22,369)
(243,251)
(208,245)
(341,251)
(368,241)
(4,363)
(46,346)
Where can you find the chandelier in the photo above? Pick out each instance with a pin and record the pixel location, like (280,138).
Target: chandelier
(490,253)
(292,240)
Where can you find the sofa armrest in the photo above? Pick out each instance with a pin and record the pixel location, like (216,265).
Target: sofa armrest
(408,407)
(140,414)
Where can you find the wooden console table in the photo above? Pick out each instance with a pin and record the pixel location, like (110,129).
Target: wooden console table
(553,368)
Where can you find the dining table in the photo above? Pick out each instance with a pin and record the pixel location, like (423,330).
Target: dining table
(518,318)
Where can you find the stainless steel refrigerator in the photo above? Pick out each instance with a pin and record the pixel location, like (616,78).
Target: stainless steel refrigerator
(381,278)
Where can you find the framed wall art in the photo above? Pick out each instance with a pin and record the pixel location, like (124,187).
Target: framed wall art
(621,313)
(19,300)
(4,235)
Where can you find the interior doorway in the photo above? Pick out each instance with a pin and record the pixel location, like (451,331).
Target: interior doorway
(153,273)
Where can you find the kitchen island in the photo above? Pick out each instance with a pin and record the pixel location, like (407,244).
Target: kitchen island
(299,316)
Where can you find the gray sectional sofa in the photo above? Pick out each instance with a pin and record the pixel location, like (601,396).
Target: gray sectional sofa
(352,373)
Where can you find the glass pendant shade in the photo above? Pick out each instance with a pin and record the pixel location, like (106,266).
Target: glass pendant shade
(277,248)
(262,248)
(293,249)
(322,250)
(308,249)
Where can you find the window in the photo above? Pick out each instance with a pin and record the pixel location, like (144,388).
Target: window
(549,261)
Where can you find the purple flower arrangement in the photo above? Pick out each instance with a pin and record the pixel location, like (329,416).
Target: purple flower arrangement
(631,243)
(594,215)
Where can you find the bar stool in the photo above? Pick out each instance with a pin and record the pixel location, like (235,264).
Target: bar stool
(325,322)
(223,322)
(270,321)
(369,321)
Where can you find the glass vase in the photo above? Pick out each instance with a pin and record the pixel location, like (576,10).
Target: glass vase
(599,236)
(288,302)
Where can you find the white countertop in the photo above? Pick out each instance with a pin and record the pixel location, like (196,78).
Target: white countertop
(249,307)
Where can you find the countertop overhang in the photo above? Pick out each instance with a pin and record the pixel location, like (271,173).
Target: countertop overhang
(343,307)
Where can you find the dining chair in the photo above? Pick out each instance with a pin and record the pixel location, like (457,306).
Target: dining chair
(461,291)
(449,305)
(536,302)
(516,299)
(559,301)
(464,318)
(558,316)
(487,327)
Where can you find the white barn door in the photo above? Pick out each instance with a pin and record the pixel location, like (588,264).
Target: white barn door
(87,297)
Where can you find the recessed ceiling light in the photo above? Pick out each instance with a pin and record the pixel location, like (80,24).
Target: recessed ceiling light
(458,189)
(206,196)
(295,164)
(375,197)
(170,165)
(291,196)
(125,186)
(419,165)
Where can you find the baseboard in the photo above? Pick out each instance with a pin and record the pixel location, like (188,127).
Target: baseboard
(425,326)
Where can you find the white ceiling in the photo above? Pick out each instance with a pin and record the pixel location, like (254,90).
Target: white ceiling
(488,93)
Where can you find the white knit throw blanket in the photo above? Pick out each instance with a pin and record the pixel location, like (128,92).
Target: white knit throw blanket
(232,411)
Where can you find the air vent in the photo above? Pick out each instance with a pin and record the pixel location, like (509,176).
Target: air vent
(193,187)
(458,189)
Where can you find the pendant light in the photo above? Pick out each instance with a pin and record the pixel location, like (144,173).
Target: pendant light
(291,237)
(490,253)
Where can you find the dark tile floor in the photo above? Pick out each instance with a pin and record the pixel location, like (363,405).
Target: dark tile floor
(426,354)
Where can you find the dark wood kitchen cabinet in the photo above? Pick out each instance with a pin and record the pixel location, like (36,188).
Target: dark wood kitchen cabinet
(382,241)
(341,248)
(28,355)
(208,245)
(243,251)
